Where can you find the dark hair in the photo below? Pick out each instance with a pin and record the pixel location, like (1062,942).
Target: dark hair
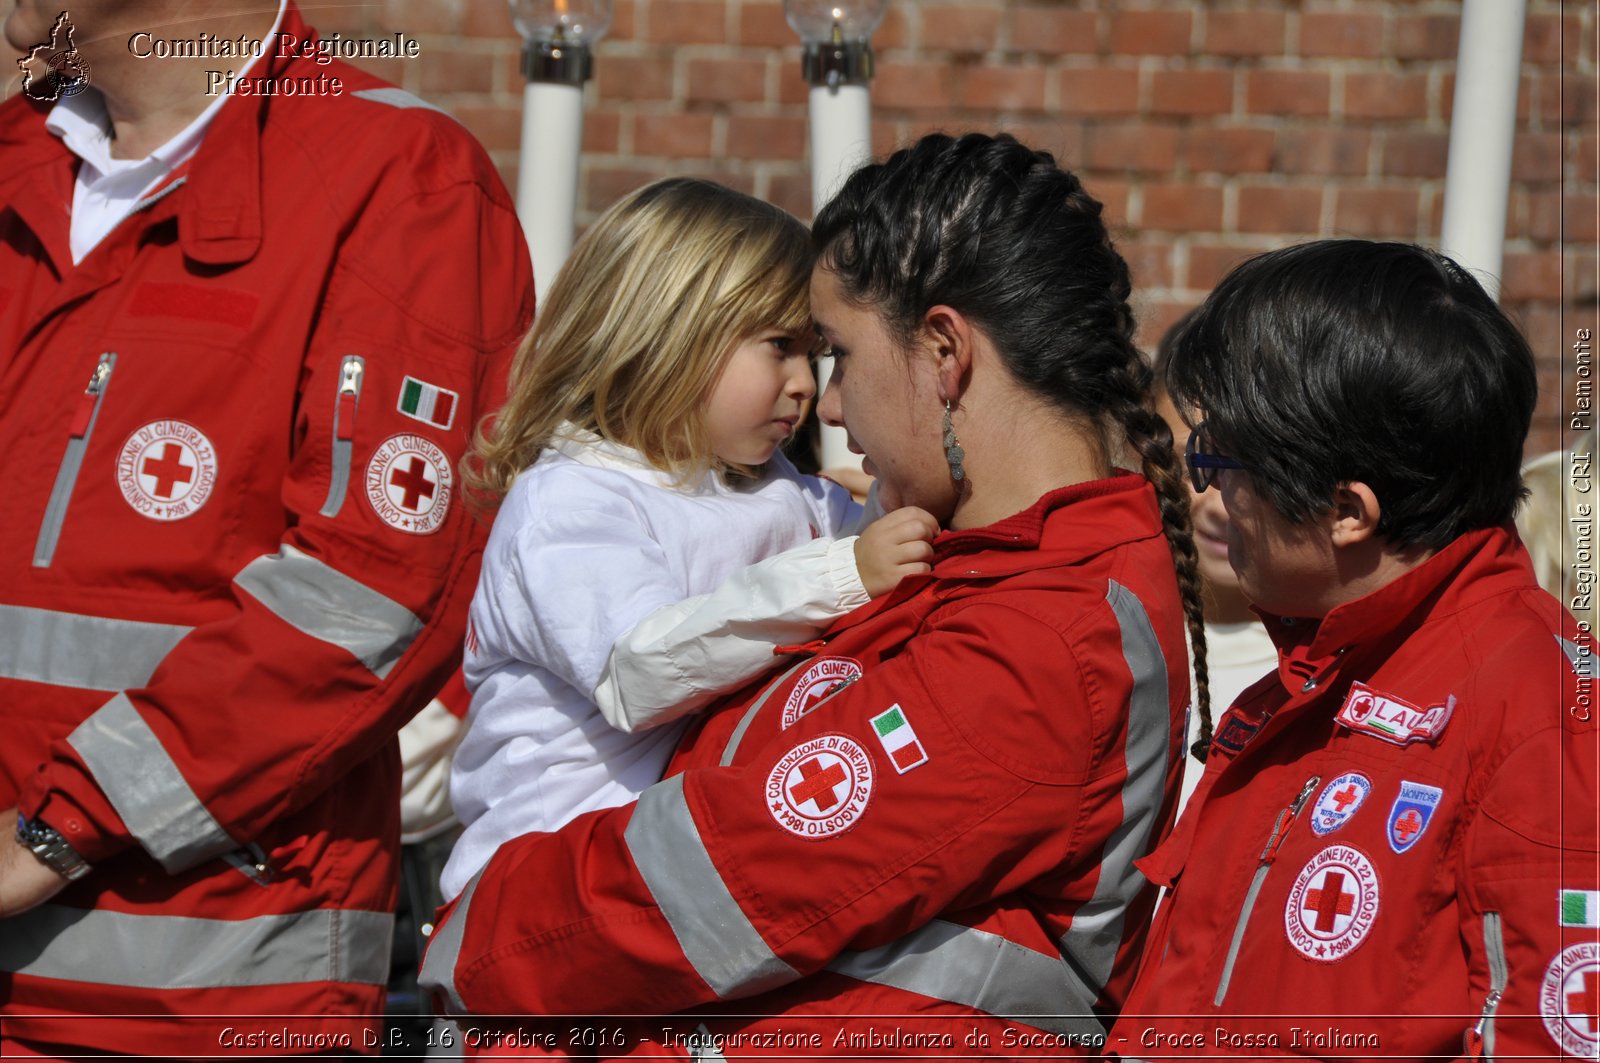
(1349,360)
(1002,234)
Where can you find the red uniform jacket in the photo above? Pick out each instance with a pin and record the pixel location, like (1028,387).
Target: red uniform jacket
(1393,851)
(237,556)
(932,817)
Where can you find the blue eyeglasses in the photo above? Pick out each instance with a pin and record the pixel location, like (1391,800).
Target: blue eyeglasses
(1203,461)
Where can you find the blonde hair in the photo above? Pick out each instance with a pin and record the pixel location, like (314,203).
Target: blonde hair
(1558,537)
(638,325)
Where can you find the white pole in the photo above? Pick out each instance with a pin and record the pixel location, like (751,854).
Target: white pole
(1477,181)
(841,137)
(547,175)
(841,141)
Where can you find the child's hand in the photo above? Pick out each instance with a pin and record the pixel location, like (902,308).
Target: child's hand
(895,546)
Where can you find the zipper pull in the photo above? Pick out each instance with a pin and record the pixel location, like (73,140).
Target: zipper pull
(1286,818)
(1474,1046)
(1490,1004)
(251,861)
(840,685)
(91,395)
(349,390)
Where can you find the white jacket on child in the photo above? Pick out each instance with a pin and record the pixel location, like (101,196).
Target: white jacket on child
(605,585)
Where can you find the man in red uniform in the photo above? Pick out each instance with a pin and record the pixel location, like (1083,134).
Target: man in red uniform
(243,341)
(1392,853)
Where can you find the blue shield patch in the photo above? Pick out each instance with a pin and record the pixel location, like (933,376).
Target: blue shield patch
(1412,812)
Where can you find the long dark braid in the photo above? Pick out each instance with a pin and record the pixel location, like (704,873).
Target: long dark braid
(1149,435)
(1003,234)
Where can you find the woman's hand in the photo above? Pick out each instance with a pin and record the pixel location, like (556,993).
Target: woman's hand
(895,546)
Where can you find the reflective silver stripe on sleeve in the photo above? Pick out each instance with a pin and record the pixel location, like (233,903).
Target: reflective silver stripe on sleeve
(717,939)
(319,600)
(146,788)
(979,970)
(750,714)
(444,952)
(1581,659)
(400,98)
(180,952)
(1090,945)
(75,650)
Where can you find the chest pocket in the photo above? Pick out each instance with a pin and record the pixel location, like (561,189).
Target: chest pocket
(169,451)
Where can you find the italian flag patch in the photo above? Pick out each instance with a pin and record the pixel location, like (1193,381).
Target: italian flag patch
(1580,908)
(427,403)
(898,739)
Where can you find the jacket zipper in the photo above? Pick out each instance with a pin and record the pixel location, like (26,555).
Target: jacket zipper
(251,862)
(83,420)
(1280,831)
(161,193)
(344,431)
(1480,1041)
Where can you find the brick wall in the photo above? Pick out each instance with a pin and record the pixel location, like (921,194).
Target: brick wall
(1212,129)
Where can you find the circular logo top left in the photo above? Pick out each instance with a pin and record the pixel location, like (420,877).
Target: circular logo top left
(54,69)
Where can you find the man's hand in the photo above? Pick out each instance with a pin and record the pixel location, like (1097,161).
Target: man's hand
(24,880)
(895,546)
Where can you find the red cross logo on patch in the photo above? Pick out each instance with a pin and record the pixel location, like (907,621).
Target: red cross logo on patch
(1584,1003)
(1407,825)
(409,483)
(1339,801)
(821,787)
(1569,1000)
(167,470)
(1330,902)
(817,784)
(1332,905)
(1413,809)
(820,679)
(411,486)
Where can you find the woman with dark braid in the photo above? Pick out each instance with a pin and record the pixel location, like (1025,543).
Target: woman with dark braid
(932,812)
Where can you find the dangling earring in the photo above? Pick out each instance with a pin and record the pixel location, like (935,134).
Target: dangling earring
(952,447)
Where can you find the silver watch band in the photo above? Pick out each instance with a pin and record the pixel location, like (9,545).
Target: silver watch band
(51,849)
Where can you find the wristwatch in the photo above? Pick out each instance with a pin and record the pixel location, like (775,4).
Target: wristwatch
(53,851)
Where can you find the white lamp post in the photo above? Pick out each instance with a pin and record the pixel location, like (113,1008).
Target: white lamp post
(557,37)
(1483,125)
(837,63)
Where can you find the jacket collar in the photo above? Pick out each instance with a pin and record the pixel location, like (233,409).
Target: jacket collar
(1063,527)
(1477,565)
(220,221)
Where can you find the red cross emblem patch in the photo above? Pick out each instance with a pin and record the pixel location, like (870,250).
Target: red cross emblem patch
(816,683)
(1411,813)
(1332,905)
(167,470)
(1339,801)
(1569,1000)
(821,787)
(409,483)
